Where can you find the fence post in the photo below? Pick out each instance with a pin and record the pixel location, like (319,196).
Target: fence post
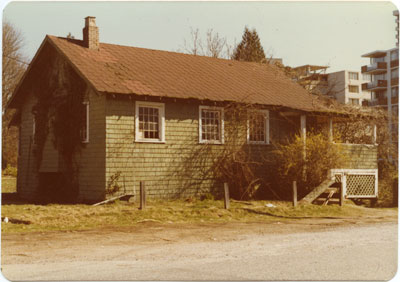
(294,193)
(226,196)
(341,199)
(142,195)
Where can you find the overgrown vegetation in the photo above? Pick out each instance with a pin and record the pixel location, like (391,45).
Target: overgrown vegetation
(10,171)
(59,111)
(307,163)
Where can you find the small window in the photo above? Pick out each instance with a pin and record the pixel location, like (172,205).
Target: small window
(150,122)
(258,127)
(395,92)
(353,75)
(85,122)
(353,89)
(354,101)
(366,76)
(211,125)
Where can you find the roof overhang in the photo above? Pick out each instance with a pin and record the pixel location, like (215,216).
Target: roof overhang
(375,54)
(311,67)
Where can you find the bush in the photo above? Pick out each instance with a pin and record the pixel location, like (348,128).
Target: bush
(10,171)
(309,170)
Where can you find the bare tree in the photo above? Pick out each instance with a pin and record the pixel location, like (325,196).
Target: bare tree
(14,66)
(215,46)
(194,46)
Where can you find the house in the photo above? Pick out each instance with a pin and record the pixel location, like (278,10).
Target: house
(104,117)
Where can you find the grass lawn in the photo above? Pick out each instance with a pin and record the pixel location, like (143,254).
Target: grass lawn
(79,217)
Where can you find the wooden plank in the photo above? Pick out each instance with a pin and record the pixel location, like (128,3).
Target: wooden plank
(142,195)
(226,196)
(110,200)
(331,192)
(294,193)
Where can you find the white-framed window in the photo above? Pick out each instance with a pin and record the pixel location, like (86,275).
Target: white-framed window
(366,76)
(353,89)
(353,75)
(258,127)
(211,125)
(150,122)
(354,101)
(85,122)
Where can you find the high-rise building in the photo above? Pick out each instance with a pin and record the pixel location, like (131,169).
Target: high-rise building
(346,87)
(384,71)
(396,14)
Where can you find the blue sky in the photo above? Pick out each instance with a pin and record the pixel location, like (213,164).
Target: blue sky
(329,33)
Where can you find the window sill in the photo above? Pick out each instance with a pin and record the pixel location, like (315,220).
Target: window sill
(211,142)
(150,141)
(257,143)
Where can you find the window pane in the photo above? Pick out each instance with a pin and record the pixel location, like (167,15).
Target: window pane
(257,124)
(149,122)
(210,129)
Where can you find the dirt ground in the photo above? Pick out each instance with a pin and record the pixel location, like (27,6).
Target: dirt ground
(57,255)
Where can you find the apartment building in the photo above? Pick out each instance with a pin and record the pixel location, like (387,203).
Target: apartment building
(396,14)
(384,71)
(346,87)
(312,77)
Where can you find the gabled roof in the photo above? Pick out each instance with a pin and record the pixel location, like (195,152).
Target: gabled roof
(130,70)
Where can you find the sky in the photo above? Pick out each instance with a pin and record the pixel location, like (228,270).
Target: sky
(335,34)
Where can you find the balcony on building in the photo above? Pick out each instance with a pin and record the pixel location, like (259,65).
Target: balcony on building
(382,102)
(374,85)
(376,68)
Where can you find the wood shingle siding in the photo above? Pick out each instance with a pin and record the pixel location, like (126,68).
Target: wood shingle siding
(27,179)
(92,157)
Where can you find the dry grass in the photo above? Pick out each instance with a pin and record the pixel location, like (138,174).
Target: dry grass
(79,217)
(8,184)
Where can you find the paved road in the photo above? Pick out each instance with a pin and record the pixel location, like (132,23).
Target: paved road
(365,252)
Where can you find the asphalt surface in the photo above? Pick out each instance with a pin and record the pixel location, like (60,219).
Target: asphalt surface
(352,252)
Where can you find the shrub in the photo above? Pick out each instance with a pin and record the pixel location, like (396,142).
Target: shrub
(309,169)
(10,171)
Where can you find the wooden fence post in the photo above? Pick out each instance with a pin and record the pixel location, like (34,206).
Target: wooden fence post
(294,193)
(142,195)
(226,196)
(341,199)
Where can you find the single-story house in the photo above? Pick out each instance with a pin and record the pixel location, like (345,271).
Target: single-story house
(142,113)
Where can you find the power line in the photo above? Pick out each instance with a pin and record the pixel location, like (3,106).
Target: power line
(15,59)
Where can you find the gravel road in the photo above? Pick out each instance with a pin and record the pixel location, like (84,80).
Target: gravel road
(289,251)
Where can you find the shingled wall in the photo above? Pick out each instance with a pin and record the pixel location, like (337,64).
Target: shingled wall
(170,170)
(359,156)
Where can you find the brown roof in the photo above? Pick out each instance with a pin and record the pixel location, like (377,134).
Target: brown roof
(131,70)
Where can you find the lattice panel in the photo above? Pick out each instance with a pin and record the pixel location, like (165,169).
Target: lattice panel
(360,185)
(338,178)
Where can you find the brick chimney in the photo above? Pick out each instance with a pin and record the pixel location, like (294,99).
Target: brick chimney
(91,34)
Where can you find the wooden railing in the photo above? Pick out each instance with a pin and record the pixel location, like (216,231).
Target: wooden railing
(376,66)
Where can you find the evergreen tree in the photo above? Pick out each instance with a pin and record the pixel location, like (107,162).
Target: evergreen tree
(249,49)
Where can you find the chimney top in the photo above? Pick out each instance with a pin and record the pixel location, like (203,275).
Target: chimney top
(90,21)
(91,33)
